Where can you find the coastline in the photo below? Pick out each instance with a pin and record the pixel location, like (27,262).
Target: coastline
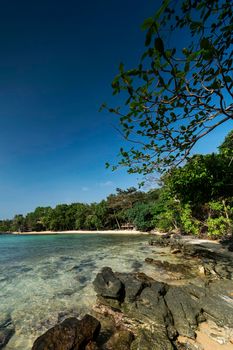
(112,232)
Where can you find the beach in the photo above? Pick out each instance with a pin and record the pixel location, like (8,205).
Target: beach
(112,232)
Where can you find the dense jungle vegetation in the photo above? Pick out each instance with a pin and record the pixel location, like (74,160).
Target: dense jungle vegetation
(196,198)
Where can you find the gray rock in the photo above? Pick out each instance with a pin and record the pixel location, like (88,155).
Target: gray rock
(222,287)
(151,304)
(108,285)
(219,309)
(184,310)
(151,340)
(133,285)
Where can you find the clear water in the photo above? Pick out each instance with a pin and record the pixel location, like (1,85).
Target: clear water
(46,278)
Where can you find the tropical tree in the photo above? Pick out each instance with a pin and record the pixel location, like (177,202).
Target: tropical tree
(82,211)
(37,220)
(18,223)
(182,88)
(5,226)
(122,200)
(141,215)
(226,148)
(202,179)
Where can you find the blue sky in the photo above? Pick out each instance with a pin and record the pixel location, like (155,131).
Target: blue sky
(57,62)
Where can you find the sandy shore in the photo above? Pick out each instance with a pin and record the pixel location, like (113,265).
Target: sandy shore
(112,232)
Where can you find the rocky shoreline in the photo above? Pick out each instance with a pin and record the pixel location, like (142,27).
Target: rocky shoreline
(133,311)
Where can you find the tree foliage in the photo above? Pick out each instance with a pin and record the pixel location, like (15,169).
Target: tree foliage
(196,198)
(203,178)
(182,88)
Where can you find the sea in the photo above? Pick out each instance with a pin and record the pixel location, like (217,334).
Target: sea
(46,278)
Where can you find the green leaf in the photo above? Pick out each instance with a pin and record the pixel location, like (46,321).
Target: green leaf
(187,67)
(162,9)
(193,55)
(148,37)
(228,79)
(205,44)
(159,45)
(147,23)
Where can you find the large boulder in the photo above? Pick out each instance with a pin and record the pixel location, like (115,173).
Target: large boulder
(107,285)
(133,285)
(71,334)
(185,311)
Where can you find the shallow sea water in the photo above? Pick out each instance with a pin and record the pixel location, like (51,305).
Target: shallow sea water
(44,279)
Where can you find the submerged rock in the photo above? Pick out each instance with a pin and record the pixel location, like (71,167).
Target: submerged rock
(5,336)
(71,334)
(6,330)
(181,268)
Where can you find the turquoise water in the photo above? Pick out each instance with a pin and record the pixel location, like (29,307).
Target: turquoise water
(44,279)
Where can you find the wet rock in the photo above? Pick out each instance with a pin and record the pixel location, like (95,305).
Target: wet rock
(71,334)
(196,292)
(214,259)
(222,287)
(110,302)
(227,241)
(5,335)
(152,307)
(92,346)
(222,271)
(151,304)
(181,268)
(215,301)
(6,330)
(107,285)
(133,285)
(230,247)
(153,340)
(218,309)
(159,314)
(161,241)
(136,265)
(184,310)
(120,340)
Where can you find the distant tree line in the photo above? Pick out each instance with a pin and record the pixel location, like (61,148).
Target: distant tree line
(196,198)
(108,214)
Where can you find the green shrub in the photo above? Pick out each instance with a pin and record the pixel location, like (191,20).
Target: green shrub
(189,223)
(165,221)
(219,226)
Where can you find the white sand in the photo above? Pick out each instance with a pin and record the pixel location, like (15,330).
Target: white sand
(112,232)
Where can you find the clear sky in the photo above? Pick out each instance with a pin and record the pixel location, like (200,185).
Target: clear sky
(57,61)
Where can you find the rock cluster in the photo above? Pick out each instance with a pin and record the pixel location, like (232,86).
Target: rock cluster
(214,260)
(159,312)
(138,312)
